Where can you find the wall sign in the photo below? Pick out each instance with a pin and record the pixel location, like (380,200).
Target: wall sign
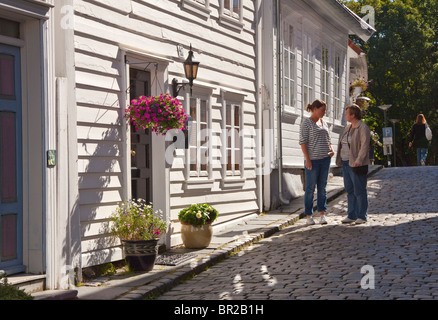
(51,158)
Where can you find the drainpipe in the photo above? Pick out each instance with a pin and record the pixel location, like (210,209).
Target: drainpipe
(259,104)
(279,110)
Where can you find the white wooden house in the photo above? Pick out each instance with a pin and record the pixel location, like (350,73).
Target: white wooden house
(305,57)
(76,64)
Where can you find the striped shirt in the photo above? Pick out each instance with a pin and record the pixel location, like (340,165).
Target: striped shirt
(316,138)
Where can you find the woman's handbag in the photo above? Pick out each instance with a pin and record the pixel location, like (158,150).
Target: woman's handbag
(360,171)
(428,132)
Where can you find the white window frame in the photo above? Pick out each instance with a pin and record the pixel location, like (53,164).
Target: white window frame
(230,151)
(229,17)
(235,4)
(337,86)
(326,76)
(308,71)
(201,7)
(289,66)
(198,128)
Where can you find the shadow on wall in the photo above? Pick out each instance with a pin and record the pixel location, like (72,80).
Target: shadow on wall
(101,174)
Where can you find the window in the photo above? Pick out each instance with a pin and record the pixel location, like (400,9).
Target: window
(7,76)
(231,14)
(308,71)
(9,28)
(233,148)
(289,67)
(199,140)
(325,76)
(232,7)
(337,89)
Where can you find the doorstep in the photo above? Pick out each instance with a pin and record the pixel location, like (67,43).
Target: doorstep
(30,283)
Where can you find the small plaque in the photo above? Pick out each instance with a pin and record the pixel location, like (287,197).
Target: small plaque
(51,158)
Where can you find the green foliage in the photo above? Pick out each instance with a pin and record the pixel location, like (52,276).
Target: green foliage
(198,214)
(135,220)
(107,269)
(403,63)
(9,292)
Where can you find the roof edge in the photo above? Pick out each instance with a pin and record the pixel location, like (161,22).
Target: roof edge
(362,29)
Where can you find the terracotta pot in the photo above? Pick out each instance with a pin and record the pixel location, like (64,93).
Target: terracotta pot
(196,237)
(140,254)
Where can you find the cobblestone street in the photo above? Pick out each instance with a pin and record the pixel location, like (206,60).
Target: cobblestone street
(393,256)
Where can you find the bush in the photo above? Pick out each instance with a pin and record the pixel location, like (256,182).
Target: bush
(198,214)
(9,292)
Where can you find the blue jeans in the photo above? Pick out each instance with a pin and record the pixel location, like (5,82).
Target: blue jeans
(318,176)
(421,155)
(357,197)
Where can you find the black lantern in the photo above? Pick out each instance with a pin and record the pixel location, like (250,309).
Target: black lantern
(190,70)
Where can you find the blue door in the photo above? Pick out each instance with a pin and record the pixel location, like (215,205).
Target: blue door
(11,176)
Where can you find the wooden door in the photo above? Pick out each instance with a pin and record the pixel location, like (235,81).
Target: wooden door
(141,142)
(11,173)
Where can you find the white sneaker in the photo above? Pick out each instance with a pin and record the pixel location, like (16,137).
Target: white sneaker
(360,221)
(310,221)
(348,220)
(422,162)
(322,220)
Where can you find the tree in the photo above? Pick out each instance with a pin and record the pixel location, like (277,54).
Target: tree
(403,63)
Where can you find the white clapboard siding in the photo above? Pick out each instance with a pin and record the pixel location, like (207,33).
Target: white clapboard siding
(102,165)
(97,180)
(98,257)
(228,60)
(97,211)
(98,132)
(292,153)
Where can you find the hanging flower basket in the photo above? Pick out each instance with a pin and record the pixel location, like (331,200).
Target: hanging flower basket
(158,113)
(361,83)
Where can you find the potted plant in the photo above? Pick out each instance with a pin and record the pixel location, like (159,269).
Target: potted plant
(196,220)
(359,85)
(139,229)
(158,113)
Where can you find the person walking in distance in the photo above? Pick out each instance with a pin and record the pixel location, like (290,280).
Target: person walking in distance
(418,139)
(317,149)
(353,156)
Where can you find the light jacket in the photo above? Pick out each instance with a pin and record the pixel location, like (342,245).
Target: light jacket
(359,145)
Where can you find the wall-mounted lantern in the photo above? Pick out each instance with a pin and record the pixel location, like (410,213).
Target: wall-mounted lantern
(191,72)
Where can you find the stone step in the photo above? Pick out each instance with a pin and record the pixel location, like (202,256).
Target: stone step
(30,283)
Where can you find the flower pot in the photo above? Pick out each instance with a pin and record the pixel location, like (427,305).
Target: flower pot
(140,254)
(196,237)
(357,91)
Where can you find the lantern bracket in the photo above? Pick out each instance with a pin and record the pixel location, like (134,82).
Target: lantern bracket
(177,86)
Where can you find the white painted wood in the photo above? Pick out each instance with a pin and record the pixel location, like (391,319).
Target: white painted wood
(150,31)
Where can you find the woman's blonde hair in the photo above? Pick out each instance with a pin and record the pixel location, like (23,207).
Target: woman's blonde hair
(315,105)
(421,119)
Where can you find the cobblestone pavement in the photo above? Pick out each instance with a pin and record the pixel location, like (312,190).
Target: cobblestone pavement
(393,256)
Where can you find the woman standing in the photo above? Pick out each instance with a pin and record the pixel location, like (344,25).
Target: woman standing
(353,157)
(317,149)
(418,136)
